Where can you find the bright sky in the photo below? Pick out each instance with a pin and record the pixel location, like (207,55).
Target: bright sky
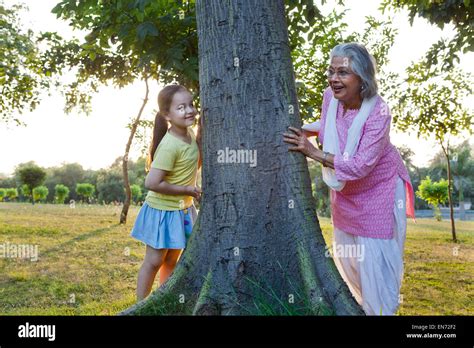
(52,137)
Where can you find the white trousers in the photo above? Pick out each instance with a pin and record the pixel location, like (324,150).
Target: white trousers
(373,267)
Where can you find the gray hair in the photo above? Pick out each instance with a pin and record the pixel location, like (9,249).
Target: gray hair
(361,63)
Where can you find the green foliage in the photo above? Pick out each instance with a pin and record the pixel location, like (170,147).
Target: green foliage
(68,174)
(311,41)
(110,185)
(61,192)
(431,102)
(136,193)
(458,13)
(24,76)
(435,193)
(129,40)
(18,56)
(25,191)
(12,193)
(462,167)
(40,193)
(7,182)
(85,191)
(108,181)
(3,194)
(32,176)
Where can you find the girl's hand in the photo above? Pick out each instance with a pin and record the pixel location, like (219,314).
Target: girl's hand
(299,139)
(194,191)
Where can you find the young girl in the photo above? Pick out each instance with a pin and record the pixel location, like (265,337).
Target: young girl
(165,220)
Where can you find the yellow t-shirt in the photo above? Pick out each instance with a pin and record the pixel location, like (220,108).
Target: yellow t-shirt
(180,160)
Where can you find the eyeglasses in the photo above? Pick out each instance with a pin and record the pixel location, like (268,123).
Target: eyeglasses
(343,74)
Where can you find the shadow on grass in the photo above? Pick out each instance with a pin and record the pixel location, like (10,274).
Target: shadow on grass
(79,238)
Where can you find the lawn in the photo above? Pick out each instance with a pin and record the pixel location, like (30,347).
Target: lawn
(87,263)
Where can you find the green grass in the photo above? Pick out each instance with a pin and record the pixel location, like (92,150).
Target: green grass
(83,265)
(438,277)
(88,263)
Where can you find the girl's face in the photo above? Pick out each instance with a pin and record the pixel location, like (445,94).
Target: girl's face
(182,113)
(345,84)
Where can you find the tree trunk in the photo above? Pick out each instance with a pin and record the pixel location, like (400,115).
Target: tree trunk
(126,183)
(450,199)
(257,247)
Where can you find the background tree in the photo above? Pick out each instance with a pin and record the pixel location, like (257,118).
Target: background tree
(462,167)
(431,103)
(463,173)
(458,13)
(60,193)
(3,194)
(12,193)
(25,192)
(32,176)
(7,181)
(110,186)
(128,41)
(40,193)
(252,218)
(23,76)
(108,181)
(435,193)
(85,191)
(67,174)
(136,193)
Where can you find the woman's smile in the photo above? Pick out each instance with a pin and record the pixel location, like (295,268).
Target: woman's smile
(337,89)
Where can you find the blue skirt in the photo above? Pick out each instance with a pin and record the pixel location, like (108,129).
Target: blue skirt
(163,229)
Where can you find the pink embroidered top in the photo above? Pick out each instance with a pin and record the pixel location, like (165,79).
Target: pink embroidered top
(364,207)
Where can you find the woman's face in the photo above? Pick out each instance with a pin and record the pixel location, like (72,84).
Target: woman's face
(345,84)
(182,112)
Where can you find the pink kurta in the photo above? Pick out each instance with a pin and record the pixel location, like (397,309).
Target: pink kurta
(364,207)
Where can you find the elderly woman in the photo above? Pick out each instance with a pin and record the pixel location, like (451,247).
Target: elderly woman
(371,193)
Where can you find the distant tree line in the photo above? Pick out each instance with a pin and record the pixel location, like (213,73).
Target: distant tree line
(70,181)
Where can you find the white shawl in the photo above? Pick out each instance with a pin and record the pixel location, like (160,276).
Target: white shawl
(331,139)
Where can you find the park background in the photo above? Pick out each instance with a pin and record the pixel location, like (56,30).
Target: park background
(88,264)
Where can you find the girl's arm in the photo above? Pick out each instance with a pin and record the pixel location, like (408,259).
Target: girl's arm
(155,182)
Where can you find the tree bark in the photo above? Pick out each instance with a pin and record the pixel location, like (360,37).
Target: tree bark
(257,247)
(126,182)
